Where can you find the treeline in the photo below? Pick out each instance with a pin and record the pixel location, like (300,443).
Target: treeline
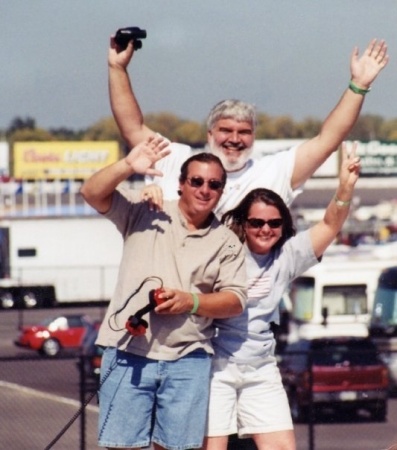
(368,127)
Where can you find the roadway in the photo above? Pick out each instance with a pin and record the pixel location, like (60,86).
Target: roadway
(39,396)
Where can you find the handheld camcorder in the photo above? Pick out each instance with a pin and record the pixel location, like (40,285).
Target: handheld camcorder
(125,35)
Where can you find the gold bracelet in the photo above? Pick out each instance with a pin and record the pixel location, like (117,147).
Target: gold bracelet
(341,202)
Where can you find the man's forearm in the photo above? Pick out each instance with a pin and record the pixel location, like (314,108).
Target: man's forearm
(338,124)
(98,189)
(219,305)
(363,71)
(125,107)
(341,120)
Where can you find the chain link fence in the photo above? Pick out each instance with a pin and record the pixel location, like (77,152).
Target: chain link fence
(42,406)
(40,398)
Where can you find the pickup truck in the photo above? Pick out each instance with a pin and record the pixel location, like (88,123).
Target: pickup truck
(341,373)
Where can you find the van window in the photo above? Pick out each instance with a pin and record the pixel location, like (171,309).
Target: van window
(385,307)
(345,299)
(340,300)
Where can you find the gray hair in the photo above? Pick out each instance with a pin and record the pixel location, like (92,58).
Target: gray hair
(232,109)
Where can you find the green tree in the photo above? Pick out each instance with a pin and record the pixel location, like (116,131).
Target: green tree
(37,134)
(66,134)
(103,130)
(367,128)
(191,133)
(164,123)
(264,127)
(19,123)
(284,127)
(308,128)
(388,130)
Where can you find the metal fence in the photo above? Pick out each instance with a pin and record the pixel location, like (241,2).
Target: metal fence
(50,403)
(40,398)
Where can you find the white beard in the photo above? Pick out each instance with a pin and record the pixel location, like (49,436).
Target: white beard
(230,165)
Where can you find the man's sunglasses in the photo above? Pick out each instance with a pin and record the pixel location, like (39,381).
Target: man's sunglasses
(260,223)
(197,182)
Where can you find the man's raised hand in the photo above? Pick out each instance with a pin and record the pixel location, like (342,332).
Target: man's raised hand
(143,156)
(366,68)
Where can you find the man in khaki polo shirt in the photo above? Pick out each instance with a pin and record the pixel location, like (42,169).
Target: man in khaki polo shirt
(155,385)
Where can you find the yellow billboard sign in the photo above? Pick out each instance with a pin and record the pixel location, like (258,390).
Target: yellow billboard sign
(62,160)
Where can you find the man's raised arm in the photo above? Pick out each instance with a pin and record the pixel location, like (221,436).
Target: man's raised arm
(312,153)
(123,102)
(98,190)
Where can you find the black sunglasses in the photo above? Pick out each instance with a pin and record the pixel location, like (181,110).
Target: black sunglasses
(197,182)
(259,223)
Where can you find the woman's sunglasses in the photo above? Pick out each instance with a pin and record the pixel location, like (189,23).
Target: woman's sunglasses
(260,223)
(197,182)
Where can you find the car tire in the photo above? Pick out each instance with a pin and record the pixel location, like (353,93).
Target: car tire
(50,347)
(299,413)
(380,412)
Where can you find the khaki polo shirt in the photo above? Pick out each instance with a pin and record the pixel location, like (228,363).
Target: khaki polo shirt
(158,248)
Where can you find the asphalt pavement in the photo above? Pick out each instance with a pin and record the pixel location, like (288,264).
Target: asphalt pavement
(32,418)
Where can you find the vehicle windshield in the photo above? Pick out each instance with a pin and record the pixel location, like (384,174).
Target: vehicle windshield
(4,253)
(385,307)
(55,323)
(46,322)
(302,298)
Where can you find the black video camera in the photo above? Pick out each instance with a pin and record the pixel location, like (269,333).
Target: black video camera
(125,35)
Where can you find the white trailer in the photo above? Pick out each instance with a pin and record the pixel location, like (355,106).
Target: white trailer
(48,260)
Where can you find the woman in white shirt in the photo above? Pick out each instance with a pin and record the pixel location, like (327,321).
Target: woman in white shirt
(247,396)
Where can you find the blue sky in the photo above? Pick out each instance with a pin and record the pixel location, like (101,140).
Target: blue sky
(289,57)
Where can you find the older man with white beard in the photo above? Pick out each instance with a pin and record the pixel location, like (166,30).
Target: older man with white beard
(231,133)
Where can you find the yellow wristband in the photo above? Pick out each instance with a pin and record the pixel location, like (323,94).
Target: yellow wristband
(196,303)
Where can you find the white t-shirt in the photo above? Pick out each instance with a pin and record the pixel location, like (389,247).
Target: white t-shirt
(271,171)
(247,338)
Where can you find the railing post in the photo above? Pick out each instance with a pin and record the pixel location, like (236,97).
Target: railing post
(311,403)
(83,393)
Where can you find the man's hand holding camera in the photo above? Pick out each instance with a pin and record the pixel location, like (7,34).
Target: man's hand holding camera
(130,34)
(123,44)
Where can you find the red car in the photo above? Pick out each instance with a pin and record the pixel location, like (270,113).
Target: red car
(52,335)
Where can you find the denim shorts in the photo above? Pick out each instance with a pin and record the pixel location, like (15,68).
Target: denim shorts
(143,400)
